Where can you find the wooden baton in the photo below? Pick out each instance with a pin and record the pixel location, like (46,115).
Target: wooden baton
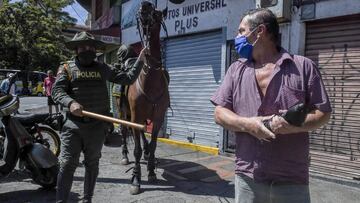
(114,120)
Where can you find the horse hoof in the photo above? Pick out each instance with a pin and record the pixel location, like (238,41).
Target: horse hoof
(135,189)
(124,161)
(152,179)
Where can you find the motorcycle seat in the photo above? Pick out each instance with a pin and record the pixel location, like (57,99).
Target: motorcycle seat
(31,119)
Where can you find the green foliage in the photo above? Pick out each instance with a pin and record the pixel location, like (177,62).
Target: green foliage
(31,34)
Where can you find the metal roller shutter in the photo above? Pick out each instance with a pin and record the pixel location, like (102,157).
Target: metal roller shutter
(334,45)
(194,64)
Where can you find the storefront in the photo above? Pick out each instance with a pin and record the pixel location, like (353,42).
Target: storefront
(194,53)
(194,65)
(334,45)
(200,48)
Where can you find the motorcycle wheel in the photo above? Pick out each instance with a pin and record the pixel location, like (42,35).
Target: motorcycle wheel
(49,138)
(48,177)
(7,164)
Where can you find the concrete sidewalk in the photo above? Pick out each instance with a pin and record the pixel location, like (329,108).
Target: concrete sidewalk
(184,176)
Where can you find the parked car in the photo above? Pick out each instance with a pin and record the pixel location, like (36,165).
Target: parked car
(33,79)
(39,90)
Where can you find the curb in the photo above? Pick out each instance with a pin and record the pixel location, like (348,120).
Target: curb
(194,147)
(186,145)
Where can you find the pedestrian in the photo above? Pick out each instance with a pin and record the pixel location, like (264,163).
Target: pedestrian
(272,165)
(116,94)
(5,85)
(126,57)
(81,84)
(48,84)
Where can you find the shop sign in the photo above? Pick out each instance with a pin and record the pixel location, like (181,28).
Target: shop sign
(184,19)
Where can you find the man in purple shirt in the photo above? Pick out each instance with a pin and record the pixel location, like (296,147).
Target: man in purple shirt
(272,165)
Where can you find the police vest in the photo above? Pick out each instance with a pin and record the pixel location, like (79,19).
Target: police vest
(88,87)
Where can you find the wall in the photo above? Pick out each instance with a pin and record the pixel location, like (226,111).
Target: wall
(293,33)
(195,16)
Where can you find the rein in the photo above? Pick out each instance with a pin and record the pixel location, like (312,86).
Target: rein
(144,23)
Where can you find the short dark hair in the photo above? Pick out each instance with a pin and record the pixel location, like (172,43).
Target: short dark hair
(256,17)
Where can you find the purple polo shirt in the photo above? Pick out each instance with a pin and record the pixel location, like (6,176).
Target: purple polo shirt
(295,79)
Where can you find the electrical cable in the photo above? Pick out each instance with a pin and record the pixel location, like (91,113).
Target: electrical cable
(77,14)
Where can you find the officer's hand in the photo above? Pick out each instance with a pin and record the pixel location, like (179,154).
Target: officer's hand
(76,109)
(145,51)
(257,129)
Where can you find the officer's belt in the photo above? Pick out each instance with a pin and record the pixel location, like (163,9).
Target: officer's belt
(79,119)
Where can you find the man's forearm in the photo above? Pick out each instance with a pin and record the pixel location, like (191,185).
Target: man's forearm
(313,121)
(128,75)
(61,97)
(230,120)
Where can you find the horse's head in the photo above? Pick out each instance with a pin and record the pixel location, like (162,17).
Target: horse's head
(148,16)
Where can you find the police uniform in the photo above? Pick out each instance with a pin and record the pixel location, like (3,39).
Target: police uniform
(87,86)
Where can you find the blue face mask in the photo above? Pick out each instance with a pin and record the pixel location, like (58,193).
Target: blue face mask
(243,47)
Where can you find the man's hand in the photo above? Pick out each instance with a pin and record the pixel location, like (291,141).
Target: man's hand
(76,109)
(257,129)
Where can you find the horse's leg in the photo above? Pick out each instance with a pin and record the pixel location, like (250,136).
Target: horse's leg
(136,176)
(152,148)
(145,146)
(125,151)
(124,133)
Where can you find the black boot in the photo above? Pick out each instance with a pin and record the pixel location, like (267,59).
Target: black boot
(89,184)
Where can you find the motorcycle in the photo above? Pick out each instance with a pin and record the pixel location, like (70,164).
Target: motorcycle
(19,145)
(43,127)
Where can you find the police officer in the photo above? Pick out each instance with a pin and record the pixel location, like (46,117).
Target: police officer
(81,84)
(126,58)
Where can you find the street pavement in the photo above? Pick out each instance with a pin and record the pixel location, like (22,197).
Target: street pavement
(33,104)
(183,176)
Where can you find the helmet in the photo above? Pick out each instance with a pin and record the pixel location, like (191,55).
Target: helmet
(125,52)
(8,104)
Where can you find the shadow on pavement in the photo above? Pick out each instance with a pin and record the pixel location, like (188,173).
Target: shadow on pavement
(196,179)
(39,195)
(113,139)
(15,176)
(180,176)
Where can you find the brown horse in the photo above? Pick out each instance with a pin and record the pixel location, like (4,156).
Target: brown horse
(148,97)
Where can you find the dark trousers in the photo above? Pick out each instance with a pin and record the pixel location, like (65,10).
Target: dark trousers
(79,136)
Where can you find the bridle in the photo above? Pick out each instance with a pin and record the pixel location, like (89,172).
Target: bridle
(146,17)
